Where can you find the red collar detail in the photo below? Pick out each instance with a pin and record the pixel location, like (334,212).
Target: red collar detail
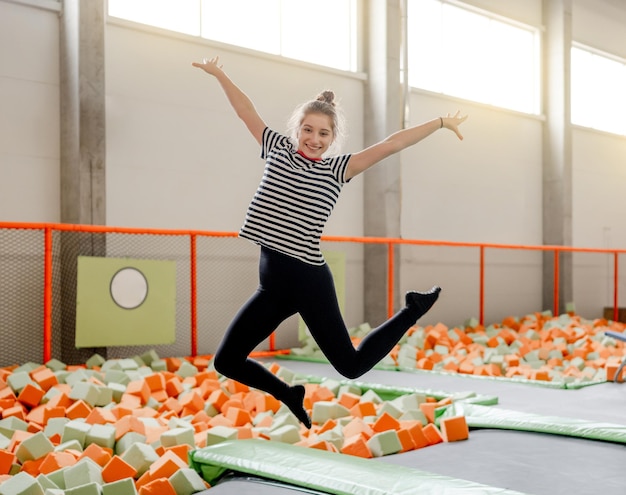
(308,157)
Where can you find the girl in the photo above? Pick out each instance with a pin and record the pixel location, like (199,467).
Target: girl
(300,186)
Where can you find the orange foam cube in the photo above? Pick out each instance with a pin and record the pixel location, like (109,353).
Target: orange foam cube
(386,422)
(117,469)
(31,395)
(356,445)
(454,429)
(166,465)
(99,455)
(55,461)
(432,434)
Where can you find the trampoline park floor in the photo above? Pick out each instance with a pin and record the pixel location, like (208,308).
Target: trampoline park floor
(523,461)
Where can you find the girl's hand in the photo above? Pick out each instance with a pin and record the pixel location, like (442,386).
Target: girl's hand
(453,123)
(210,66)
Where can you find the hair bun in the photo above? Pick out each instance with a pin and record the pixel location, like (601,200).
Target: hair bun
(327,97)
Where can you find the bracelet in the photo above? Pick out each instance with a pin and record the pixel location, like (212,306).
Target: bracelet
(441,120)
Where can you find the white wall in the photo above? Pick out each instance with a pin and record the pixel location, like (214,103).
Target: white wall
(599,172)
(29,114)
(484,189)
(177,157)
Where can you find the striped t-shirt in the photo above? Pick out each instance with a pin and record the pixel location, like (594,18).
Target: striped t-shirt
(294,199)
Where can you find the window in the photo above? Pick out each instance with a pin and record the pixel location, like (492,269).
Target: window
(465,53)
(181,16)
(598,97)
(321,32)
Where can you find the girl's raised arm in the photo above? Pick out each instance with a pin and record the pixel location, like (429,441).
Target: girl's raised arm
(243,106)
(361,161)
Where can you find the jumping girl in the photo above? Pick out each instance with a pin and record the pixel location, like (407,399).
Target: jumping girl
(299,188)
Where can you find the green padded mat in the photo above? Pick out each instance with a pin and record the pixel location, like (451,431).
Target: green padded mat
(390,392)
(561,384)
(478,416)
(327,471)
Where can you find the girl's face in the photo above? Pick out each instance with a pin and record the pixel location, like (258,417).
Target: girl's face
(315,134)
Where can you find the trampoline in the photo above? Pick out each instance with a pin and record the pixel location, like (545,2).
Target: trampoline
(496,459)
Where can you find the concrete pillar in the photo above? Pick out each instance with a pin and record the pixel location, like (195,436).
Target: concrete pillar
(83,146)
(83,138)
(557,149)
(383,115)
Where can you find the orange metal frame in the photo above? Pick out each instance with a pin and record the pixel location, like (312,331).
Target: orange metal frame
(391,243)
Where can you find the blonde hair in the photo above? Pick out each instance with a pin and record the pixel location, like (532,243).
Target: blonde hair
(323,104)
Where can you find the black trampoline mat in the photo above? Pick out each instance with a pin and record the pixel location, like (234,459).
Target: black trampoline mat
(532,463)
(236,484)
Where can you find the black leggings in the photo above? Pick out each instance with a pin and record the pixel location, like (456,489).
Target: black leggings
(288,286)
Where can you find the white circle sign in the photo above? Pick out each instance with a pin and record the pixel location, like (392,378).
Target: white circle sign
(129,288)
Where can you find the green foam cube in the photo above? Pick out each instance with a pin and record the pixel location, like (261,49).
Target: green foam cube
(117,390)
(349,388)
(414,415)
(58,478)
(186,369)
(95,361)
(92,488)
(220,433)
(18,380)
(69,445)
(186,481)
(46,482)
(128,364)
(176,422)
(178,436)
(471,322)
(332,385)
(111,364)
(391,409)
(62,375)
(4,442)
(105,396)
(286,434)
(34,447)
(408,402)
(261,416)
(85,391)
(77,376)
(83,472)
(333,436)
(127,440)
(102,435)
(125,486)
(325,410)
(286,375)
(158,365)
(442,349)
(21,484)
(371,396)
(284,415)
(384,443)
(149,357)
(75,430)
(9,425)
(140,456)
(56,365)
(55,426)
(27,367)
